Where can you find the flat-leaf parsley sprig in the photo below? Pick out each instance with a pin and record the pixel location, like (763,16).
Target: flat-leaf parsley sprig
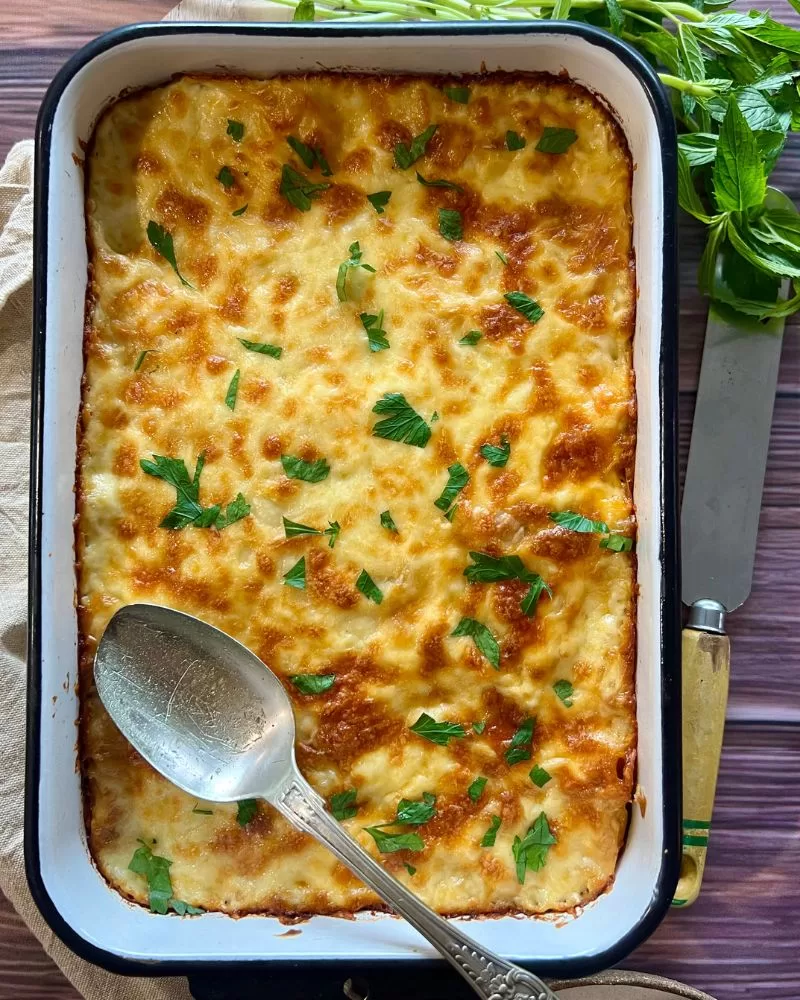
(733,79)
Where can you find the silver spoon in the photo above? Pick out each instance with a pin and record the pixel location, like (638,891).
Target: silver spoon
(206,713)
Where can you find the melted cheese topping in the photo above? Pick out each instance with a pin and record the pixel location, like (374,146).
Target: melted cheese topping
(561,390)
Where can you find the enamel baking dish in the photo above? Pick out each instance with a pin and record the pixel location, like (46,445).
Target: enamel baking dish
(75,900)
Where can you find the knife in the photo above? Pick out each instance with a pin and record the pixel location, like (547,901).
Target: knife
(719,528)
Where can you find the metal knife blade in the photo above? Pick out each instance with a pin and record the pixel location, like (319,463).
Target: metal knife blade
(728,458)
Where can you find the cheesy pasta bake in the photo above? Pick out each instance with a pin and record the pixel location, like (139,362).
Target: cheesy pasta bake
(359,392)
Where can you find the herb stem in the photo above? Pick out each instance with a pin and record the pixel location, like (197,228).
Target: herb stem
(686,86)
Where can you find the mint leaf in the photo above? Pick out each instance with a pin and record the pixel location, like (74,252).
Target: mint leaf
(296,577)
(531,852)
(576,522)
(457,479)
(564,691)
(298,190)
(240,211)
(515,141)
(450,224)
(471,339)
(373,327)
(368,587)
(246,811)
(490,569)
(389,843)
(405,156)
(226,178)
(482,637)
(352,262)
(304,11)
(292,529)
(379,200)
(308,472)
(475,790)
(539,776)
(699,148)
(438,183)
(529,308)
(531,599)
(489,838)
(497,455)
(161,242)
(235,130)
(556,140)
(388,522)
(458,94)
(233,390)
(258,348)
(235,511)
(520,747)
(343,804)
(739,181)
(437,732)
(616,16)
(310,157)
(404,423)
(617,543)
(313,683)
(415,813)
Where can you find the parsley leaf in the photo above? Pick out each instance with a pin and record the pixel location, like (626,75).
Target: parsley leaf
(235,130)
(259,348)
(309,472)
(415,813)
(475,790)
(531,852)
(515,141)
(531,599)
(479,727)
(501,257)
(457,479)
(233,390)
(490,569)
(450,224)
(296,577)
(410,868)
(240,211)
(576,522)
(140,359)
(332,531)
(159,884)
(343,804)
(438,183)
(304,11)
(529,308)
(246,811)
(564,690)
(188,509)
(405,156)
(539,776)
(739,179)
(376,335)
(617,543)
(353,261)
(489,838)
(520,747)
(388,522)
(161,242)
(437,732)
(497,455)
(294,528)
(389,843)
(471,339)
(309,156)
(379,200)
(556,140)
(226,178)
(482,637)
(458,94)
(404,423)
(313,683)
(298,190)
(368,587)
(235,511)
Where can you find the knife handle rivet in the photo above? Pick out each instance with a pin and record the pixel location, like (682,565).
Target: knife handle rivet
(707,616)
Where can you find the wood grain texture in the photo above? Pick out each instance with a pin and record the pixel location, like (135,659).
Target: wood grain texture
(742,934)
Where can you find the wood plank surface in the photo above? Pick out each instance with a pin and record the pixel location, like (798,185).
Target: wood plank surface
(741,938)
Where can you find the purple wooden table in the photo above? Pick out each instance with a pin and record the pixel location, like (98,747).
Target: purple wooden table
(744,932)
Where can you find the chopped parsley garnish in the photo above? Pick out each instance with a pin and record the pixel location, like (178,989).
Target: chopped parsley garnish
(501,257)
(310,157)
(434,417)
(309,472)
(405,156)
(296,577)
(438,183)
(188,509)
(556,140)
(520,747)
(457,479)
(514,140)
(475,790)
(379,200)
(450,224)
(539,776)
(226,178)
(233,390)
(531,852)
(403,424)
(246,811)
(577,522)
(298,190)
(140,359)
(332,531)
(159,884)
(240,211)
(471,339)
(531,599)
(343,804)
(368,587)
(373,327)
(352,262)
(235,130)
(479,727)
(490,569)
(294,528)
(497,455)
(410,868)
(524,304)
(259,348)
(490,836)
(458,94)
(482,637)
(161,242)
(389,843)
(437,732)
(564,691)
(304,11)
(202,812)
(415,813)
(313,683)
(617,543)
(387,522)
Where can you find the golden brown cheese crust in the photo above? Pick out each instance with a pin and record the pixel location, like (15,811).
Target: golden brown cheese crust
(561,390)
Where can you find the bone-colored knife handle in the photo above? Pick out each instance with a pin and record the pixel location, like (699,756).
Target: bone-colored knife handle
(706,669)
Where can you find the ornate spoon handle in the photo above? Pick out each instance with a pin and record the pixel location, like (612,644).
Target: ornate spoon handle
(490,976)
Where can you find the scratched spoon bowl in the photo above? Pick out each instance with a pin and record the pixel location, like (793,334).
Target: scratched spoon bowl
(214,720)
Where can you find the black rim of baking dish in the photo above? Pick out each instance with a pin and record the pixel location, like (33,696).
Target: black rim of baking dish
(322,978)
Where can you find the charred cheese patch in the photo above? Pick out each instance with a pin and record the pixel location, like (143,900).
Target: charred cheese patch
(560,390)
